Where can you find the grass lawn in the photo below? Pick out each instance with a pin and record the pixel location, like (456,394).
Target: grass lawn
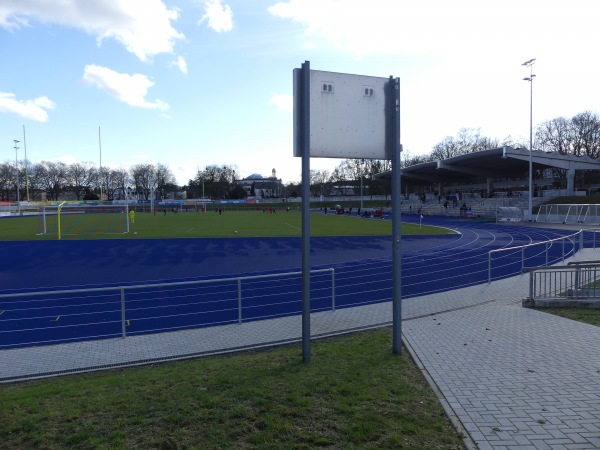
(591,316)
(250,223)
(353,394)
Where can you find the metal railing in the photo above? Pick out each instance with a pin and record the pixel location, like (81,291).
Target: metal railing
(569,213)
(97,307)
(576,281)
(546,251)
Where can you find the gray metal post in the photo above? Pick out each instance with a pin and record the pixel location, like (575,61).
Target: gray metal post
(531,280)
(522,258)
(489,267)
(305,131)
(395,147)
(17,170)
(239,283)
(333,289)
(123,320)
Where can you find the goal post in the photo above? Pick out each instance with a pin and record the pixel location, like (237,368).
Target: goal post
(58,218)
(77,220)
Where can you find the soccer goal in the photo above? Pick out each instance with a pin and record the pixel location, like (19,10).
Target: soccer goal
(67,219)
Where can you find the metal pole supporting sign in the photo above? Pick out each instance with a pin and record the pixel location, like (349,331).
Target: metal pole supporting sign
(395,149)
(305,138)
(339,115)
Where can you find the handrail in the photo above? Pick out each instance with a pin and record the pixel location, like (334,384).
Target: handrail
(150,285)
(577,263)
(537,243)
(123,288)
(523,247)
(567,267)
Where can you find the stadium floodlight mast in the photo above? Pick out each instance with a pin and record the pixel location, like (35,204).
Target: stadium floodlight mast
(530,64)
(17,169)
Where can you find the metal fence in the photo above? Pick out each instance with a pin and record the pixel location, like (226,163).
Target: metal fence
(585,213)
(543,253)
(574,281)
(59,316)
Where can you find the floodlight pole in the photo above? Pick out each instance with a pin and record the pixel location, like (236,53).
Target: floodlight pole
(100,171)
(530,64)
(26,171)
(17,169)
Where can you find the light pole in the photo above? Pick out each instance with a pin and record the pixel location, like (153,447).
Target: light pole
(17,169)
(530,64)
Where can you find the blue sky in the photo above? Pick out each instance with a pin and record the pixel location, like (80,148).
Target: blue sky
(192,83)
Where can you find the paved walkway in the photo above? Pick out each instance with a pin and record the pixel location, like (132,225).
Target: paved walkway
(510,377)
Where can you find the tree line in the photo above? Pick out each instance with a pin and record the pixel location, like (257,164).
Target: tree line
(84,181)
(216,182)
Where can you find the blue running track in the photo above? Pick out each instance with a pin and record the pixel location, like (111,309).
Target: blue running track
(363,271)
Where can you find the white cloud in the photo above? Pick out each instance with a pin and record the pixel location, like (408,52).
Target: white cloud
(283,102)
(218,16)
(68,159)
(470,27)
(30,109)
(130,89)
(182,64)
(144,28)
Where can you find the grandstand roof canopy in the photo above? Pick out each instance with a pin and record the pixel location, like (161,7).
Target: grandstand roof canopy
(495,163)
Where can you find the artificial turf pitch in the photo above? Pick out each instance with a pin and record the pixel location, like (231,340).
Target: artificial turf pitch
(253,223)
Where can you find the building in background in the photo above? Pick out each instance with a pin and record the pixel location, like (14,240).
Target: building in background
(257,186)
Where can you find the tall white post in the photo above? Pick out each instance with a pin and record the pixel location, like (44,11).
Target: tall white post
(17,169)
(530,79)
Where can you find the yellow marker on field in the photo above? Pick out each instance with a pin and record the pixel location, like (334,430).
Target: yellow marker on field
(57,317)
(127,321)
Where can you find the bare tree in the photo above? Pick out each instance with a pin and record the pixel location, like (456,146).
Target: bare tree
(469,140)
(447,148)
(7,180)
(319,181)
(213,181)
(144,178)
(79,178)
(585,136)
(554,135)
(51,178)
(410,160)
(114,183)
(165,180)
(515,143)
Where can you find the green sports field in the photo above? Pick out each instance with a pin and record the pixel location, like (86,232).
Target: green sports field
(250,223)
